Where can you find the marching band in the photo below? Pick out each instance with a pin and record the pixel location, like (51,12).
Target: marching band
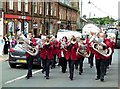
(73,52)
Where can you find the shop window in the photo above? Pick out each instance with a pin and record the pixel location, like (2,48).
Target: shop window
(25,28)
(11,27)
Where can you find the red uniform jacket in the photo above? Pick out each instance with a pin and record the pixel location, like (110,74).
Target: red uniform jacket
(65,51)
(73,54)
(47,52)
(55,47)
(33,44)
(99,56)
(89,46)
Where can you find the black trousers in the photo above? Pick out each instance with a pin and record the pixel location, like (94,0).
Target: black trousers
(71,67)
(63,64)
(46,66)
(110,60)
(80,62)
(53,61)
(91,59)
(30,65)
(101,67)
(6,49)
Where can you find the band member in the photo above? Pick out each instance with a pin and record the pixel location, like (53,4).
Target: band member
(31,42)
(55,51)
(62,53)
(46,55)
(100,59)
(90,59)
(81,57)
(73,56)
(112,45)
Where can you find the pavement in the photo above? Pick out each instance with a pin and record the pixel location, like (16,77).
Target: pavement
(15,77)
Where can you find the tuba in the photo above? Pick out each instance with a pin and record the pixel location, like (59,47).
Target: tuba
(82,50)
(33,51)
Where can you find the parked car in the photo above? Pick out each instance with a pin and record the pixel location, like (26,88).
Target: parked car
(17,56)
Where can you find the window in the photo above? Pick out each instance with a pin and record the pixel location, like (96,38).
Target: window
(55,10)
(26,5)
(11,4)
(19,5)
(51,10)
(47,8)
(35,7)
(40,7)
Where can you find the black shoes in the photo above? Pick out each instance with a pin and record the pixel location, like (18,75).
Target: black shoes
(102,79)
(97,78)
(43,71)
(91,66)
(80,73)
(47,77)
(28,76)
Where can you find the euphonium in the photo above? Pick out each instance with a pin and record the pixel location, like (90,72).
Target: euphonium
(32,50)
(82,49)
(97,47)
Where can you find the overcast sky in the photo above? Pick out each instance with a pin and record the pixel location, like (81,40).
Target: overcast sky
(107,6)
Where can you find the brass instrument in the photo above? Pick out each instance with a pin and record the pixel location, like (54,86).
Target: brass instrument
(82,51)
(63,45)
(97,47)
(32,50)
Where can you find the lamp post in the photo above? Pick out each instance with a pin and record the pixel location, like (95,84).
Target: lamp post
(81,16)
(23,16)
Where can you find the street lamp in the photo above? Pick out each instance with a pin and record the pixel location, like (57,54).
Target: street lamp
(81,15)
(89,2)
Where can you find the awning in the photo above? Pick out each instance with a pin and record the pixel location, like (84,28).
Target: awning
(10,16)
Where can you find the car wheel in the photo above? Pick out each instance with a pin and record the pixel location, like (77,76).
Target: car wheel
(12,65)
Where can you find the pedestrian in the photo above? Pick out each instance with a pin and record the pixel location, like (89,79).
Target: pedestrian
(32,42)
(73,56)
(2,43)
(14,42)
(46,54)
(6,40)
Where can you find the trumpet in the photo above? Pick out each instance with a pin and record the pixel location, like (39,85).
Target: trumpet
(63,45)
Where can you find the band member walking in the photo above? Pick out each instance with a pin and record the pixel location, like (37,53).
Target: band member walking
(32,42)
(101,60)
(73,56)
(55,51)
(81,57)
(63,53)
(46,55)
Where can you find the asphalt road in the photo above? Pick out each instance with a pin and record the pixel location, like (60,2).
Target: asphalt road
(15,77)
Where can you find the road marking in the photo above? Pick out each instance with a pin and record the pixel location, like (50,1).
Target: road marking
(21,77)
